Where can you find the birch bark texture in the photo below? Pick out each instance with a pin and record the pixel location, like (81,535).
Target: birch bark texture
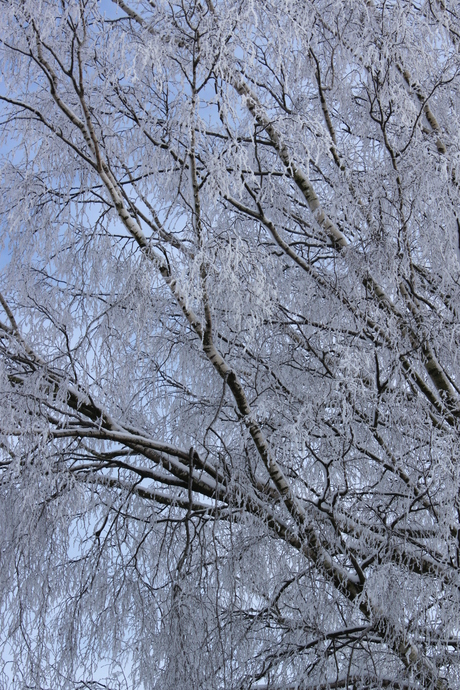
(229,345)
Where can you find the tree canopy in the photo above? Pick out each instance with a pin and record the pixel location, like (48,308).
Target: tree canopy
(229,343)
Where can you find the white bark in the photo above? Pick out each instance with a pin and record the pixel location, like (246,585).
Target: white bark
(229,399)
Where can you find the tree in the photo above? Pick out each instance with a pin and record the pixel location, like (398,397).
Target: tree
(229,346)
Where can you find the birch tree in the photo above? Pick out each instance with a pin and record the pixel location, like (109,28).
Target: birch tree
(229,338)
